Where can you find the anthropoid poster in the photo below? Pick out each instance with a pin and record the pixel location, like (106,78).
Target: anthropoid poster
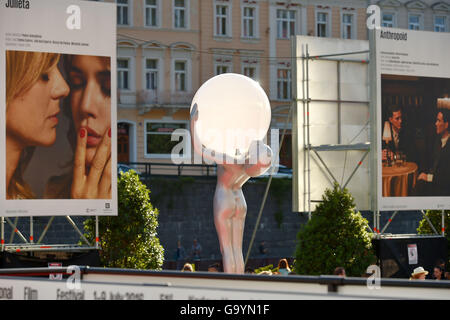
(57,106)
(413,106)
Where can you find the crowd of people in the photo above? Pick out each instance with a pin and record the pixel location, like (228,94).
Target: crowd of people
(187,263)
(438,273)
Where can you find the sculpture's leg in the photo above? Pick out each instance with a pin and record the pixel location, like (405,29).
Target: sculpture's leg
(223,212)
(238,233)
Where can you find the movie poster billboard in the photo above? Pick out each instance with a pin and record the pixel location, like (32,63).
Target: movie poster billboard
(413,105)
(58,108)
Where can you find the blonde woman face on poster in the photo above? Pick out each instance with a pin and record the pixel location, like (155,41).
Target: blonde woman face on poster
(34,87)
(90,102)
(32,117)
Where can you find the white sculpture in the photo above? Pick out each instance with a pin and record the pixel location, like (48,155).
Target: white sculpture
(230,116)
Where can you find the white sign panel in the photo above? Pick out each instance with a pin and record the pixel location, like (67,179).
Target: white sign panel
(413,156)
(58,108)
(412,254)
(55,276)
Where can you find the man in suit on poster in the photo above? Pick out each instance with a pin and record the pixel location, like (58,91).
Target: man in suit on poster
(400,142)
(436,180)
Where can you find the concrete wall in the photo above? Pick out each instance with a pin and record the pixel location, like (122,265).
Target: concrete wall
(186,212)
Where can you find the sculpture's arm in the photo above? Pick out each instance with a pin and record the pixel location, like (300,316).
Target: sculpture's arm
(259,159)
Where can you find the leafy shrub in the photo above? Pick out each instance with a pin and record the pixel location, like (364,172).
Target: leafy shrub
(336,236)
(129,240)
(435,217)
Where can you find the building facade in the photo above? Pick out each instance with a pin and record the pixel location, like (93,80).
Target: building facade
(168,48)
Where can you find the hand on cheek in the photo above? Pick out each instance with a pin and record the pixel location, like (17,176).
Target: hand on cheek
(95,184)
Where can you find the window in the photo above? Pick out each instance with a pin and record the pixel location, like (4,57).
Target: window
(222,12)
(151,74)
(250,67)
(283,84)
(158,137)
(414,22)
(179,17)
(322,24)
(285,23)
(388,20)
(123,69)
(347,26)
(151,13)
(250,72)
(122,12)
(222,69)
(248,22)
(180,76)
(440,23)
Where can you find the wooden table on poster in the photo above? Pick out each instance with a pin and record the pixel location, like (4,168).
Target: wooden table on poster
(395,179)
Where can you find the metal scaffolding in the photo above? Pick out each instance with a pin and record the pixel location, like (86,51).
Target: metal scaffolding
(306,59)
(29,245)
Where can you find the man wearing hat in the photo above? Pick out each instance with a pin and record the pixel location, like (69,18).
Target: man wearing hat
(419,273)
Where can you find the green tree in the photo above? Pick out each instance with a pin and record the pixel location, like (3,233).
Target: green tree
(129,240)
(336,236)
(435,217)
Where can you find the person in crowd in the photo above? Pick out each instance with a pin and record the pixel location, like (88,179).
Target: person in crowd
(263,252)
(262,248)
(339,271)
(438,273)
(34,88)
(214,267)
(436,180)
(283,267)
(419,273)
(196,250)
(187,268)
(249,270)
(180,255)
(90,136)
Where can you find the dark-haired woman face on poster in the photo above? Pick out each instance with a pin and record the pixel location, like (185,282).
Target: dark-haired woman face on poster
(34,87)
(89,78)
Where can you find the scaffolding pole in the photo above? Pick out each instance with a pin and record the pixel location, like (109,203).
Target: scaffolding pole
(305,177)
(31,231)
(45,229)
(77,230)
(96,233)
(15,230)
(308,141)
(429,222)
(389,221)
(3,233)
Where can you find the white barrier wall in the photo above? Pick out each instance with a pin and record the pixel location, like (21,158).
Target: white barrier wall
(130,285)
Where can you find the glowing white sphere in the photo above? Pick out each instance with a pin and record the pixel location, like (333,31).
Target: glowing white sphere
(233,111)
